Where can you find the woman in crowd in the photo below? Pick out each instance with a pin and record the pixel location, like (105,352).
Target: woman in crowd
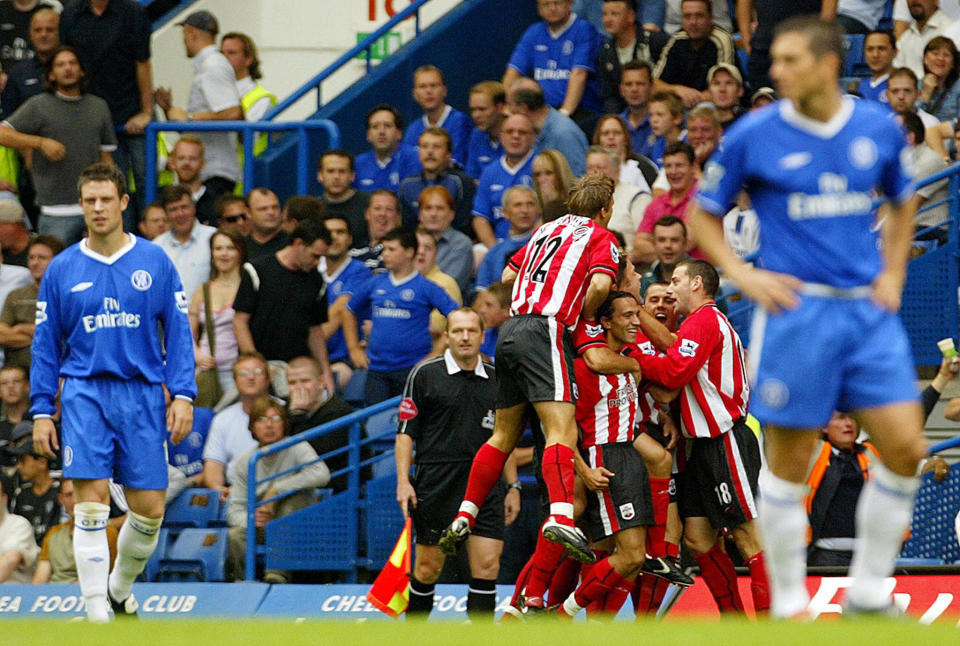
(940,92)
(552,178)
(612,133)
(228,252)
(269,424)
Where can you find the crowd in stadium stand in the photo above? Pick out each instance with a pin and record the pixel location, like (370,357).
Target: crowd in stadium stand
(290,298)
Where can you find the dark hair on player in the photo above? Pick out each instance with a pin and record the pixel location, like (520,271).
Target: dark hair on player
(824,37)
(309,230)
(638,64)
(103,172)
(406,236)
(337,152)
(706,271)
(605,311)
(680,148)
(386,107)
(669,221)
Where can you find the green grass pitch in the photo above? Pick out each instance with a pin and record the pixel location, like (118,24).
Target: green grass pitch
(543,632)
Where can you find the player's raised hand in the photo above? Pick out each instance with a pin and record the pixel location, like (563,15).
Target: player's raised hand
(888,289)
(768,289)
(45,438)
(597,478)
(179,419)
(406,496)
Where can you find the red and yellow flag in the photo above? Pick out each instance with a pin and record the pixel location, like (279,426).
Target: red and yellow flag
(390,591)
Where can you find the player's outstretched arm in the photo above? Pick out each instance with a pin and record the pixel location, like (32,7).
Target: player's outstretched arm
(897,235)
(771,290)
(597,291)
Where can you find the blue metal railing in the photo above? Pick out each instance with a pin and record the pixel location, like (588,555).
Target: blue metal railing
(352,470)
(363,47)
(249,131)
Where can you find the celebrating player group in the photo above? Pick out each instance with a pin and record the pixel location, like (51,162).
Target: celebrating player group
(610,379)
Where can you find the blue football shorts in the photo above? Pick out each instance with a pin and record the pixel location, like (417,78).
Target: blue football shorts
(116,429)
(828,354)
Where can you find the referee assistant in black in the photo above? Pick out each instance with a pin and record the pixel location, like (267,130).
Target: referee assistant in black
(448,410)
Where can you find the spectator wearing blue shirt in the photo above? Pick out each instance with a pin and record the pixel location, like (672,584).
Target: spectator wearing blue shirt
(390,160)
(561,54)
(381,217)
(636,86)
(430,93)
(554,130)
(342,275)
(522,210)
(879,48)
(400,302)
(436,152)
(515,166)
(454,249)
(488,101)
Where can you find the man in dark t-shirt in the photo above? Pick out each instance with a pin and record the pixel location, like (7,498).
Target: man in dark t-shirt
(281,303)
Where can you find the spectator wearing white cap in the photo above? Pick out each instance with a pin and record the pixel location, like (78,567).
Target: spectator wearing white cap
(725,88)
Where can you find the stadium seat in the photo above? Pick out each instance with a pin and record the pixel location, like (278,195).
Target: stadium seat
(355,390)
(854,64)
(933,533)
(153,563)
(196,555)
(323,536)
(193,508)
(902,562)
(383,520)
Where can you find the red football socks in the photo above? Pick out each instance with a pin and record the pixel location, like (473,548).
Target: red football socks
(716,568)
(484,474)
(558,475)
(544,563)
(564,581)
(656,533)
(759,583)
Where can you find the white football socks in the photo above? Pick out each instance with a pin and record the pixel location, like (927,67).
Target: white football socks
(784,525)
(135,544)
(92,555)
(883,515)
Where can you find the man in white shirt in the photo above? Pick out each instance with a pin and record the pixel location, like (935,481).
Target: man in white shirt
(187,242)
(928,22)
(213,97)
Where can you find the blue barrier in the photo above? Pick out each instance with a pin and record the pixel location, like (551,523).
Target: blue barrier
(249,130)
(157,600)
(302,554)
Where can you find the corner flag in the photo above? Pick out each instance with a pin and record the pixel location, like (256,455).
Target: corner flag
(390,592)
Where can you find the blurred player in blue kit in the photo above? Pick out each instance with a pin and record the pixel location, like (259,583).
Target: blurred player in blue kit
(826,333)
(100,306)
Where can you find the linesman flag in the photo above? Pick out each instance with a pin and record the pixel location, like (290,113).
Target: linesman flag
(390,591)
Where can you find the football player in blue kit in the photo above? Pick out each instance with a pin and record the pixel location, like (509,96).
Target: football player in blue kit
(826,333)
(101,305)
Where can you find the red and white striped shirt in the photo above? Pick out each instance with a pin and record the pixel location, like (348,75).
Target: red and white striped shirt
(707,362)
(606,406)
(554,268)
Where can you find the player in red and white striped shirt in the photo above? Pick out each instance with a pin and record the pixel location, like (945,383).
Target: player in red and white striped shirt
(565,271)
(716,491)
